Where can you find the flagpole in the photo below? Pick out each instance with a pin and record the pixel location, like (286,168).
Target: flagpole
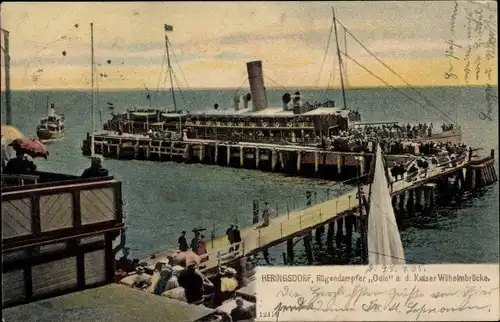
(92,141)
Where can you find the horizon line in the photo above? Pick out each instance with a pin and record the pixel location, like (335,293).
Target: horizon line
(233,88)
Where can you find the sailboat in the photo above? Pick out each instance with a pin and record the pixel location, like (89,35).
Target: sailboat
(51,127)
(382,242)
(145,119)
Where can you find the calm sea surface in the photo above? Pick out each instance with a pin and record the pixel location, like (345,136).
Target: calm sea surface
(161,199)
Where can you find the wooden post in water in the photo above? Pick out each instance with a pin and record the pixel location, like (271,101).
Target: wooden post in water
(426,197)
(284,258)
(308,248)
(339,164)
(242,157)
(418,198)
(201,156)
(349,222)
(308,198)
(289,250)
(410,206)
(340,232)
(330,233)
(212,235)
(316,161)
(216,158)
(228,155)
(257,158)
(255,218)
(274,159)
(299,161)
(402,197)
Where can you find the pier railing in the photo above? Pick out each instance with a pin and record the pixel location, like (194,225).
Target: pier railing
(322,208)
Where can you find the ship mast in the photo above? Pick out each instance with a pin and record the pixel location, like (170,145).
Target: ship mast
(92,139)
(169,66)
(6,57)
(340,59)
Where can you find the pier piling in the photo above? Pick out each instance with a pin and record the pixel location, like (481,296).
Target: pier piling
(274,159)
(339,164)
(289,251)
(308,249)
(340,232)
(257,158)
(330,233)
(410,206)
(255,218)
(216,157)
(349,225)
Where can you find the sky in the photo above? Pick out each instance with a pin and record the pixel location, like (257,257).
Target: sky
(212,41)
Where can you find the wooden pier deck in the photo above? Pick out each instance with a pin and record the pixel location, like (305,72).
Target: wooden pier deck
(297,159)
(299,222)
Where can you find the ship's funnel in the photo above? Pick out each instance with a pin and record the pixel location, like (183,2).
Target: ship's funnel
(297,103)
(286,98)
(246,99)
(52,111)
(256,80)
(236,100)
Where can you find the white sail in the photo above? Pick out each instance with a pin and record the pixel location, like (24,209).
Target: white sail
(384,241)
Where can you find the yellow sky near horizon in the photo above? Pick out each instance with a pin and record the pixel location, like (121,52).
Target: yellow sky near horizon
(212,41)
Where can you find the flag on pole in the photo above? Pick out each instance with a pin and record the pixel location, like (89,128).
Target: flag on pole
(169,28)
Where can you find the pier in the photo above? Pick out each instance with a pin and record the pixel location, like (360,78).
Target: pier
(308,161)
(339,213)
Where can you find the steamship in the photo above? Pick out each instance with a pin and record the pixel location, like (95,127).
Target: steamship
(296,121)
(51,127)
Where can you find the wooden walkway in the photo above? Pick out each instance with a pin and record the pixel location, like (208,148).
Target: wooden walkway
(299,222)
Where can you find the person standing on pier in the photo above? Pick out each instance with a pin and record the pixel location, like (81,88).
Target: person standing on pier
(265,215)
(182,241)
(195,240)
(202,246)
(230,236)
(236,237)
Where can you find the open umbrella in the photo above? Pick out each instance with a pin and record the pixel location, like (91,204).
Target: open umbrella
(10,133)
(33,148)
(187,257)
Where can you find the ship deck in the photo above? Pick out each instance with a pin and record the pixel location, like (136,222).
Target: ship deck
(111,303)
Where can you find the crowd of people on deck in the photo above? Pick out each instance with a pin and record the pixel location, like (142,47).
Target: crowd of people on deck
(440,155)
(20,164)
(183,281)
(393,139)
(23,164)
